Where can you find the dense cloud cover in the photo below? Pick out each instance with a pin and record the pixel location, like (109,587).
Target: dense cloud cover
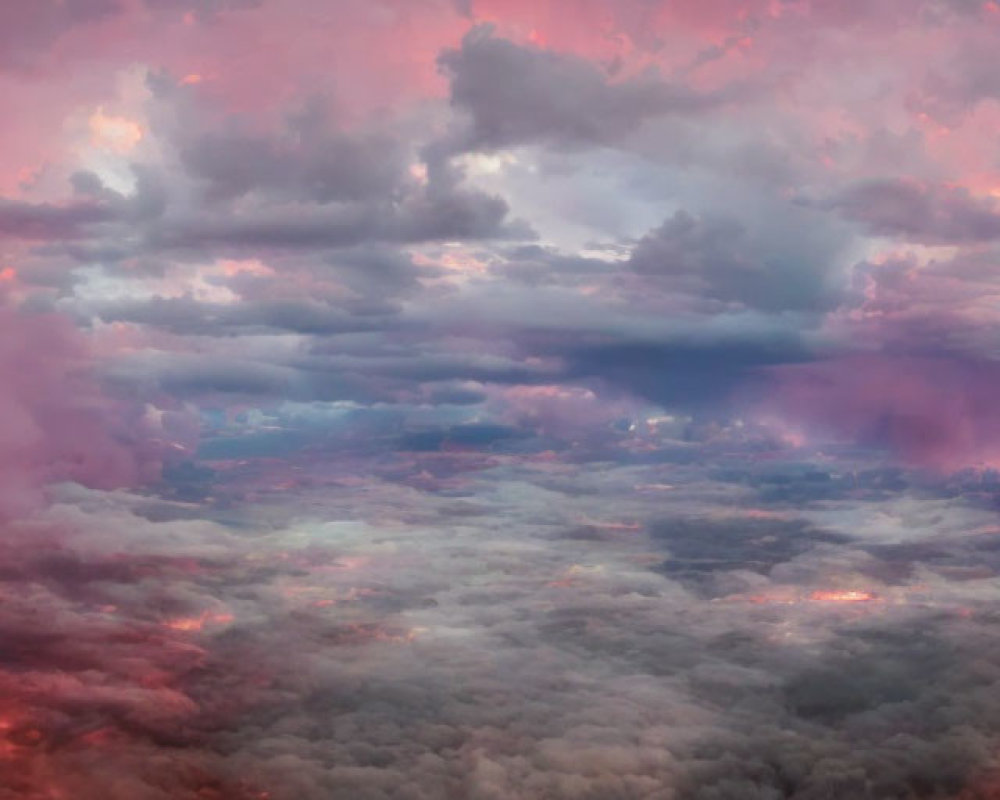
(499,400)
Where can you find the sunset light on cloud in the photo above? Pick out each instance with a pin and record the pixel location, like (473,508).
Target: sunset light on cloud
(499,400)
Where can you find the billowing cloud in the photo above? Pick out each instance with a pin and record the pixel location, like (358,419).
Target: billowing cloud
(518,95)
(936,215)
(503,400)
(58,425)
(936,412)
(719,259)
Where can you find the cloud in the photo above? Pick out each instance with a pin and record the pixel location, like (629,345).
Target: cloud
(720,259)
(28,29)
(689,375)
(920,212)
(310,655)
(57,424)
(475,400)
(932,412)
(309,163)
(186,316)
(203,8)
(46,222)
(517,95)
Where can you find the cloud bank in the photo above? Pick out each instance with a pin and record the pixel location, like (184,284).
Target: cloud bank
(563,400)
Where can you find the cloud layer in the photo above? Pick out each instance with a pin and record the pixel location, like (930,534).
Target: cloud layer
(495,399)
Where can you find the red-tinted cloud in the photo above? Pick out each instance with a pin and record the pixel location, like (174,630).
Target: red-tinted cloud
(932,412)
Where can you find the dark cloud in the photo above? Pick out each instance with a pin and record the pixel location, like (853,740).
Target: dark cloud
(187,316)
(331,372)
(721,259)
(309,162)
(518,95)
(866,721)
(47,222)
(481,436)
(700,547)
(453,213)
(187,374)
(798,485)
(699,376)
(311,184)
(921,212)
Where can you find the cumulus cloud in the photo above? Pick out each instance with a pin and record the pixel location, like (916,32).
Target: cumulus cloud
(720,259)
(518,95)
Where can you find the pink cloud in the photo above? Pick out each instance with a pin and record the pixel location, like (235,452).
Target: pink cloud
(55,423)
(931,412)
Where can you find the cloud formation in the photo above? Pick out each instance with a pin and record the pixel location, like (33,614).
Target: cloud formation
(501,400)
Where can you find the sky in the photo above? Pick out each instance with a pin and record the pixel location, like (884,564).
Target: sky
(499,400)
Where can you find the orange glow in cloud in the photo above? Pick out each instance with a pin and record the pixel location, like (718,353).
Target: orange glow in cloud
(461,263)
(117,134)
(789,597)
(419,173)
(191,79)
(574,575)
(842,597)
(198,623)
(252,266)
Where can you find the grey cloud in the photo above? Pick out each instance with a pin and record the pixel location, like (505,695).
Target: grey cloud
(185,374)
(701,547)
(327,372)
(47,222)
(309,162)
(699,376)
(926,213)
(187,316)
(95,212)
(457,214)
(312,185)
(446,648)
(720,258)
(520,95)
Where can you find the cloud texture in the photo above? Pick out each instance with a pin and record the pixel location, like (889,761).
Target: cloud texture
(502,400)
